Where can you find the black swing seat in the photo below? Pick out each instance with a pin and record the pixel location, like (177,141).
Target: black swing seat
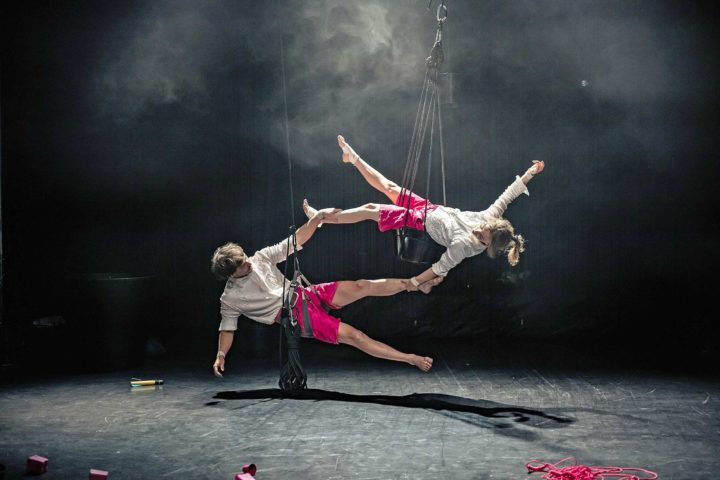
(416,246)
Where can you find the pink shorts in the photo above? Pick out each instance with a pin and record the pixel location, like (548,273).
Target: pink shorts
(392,217)
(325,326)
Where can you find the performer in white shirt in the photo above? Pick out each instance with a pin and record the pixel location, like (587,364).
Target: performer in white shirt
(254,287)
(463,233)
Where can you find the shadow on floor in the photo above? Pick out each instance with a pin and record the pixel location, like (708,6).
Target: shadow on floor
(432,401)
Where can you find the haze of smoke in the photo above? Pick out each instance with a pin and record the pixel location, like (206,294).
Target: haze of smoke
(353,66)
(339,57)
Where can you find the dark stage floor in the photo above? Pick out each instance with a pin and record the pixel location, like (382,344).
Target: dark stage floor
(509,408)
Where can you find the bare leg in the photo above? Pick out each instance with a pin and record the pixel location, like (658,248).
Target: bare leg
(349,291)
(368,211)
(376,179)
(352,336)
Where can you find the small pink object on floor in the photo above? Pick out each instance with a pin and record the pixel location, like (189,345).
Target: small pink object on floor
(583,472)
(98,474)
(248,472)
(37,465)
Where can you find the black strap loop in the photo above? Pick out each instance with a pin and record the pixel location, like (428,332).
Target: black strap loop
(428,114)
(293,378)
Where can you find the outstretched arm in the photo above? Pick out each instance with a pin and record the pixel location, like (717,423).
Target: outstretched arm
(280,251)
(454,254)
(515,189)
(225,340)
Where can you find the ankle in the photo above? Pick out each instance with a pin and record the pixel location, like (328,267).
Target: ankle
(352,157)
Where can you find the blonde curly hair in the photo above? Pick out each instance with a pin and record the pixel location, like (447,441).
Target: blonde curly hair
(504,240)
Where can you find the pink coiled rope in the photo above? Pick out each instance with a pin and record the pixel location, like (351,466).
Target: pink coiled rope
(583,472)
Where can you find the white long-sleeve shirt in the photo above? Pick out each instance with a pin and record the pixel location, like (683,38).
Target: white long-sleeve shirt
(452,228)
(258,295)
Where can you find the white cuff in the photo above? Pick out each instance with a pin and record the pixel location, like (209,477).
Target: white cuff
(353,156)
(438,269)
(522,185)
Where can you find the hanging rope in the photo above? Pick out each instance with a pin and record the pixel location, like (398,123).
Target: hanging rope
(413,244)
(293,378)
(428,110)
(287,131)
(441,16)
(442,151)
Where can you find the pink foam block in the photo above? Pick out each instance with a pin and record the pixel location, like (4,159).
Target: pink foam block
(247,472)
(97,474)
(37,465)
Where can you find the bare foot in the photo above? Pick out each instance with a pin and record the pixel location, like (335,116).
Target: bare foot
(349,155)
(423,363)
(427,286)
(310,212)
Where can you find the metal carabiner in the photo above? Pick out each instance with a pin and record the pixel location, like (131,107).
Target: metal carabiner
(442,7)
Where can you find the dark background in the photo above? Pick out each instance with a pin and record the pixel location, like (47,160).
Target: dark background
(139,136)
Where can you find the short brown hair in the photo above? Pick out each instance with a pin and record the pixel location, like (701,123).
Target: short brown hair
(226,259)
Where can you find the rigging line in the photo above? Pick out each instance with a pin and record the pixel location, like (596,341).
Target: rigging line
(285,306)
(423,114)
(420,138)
(442,150)
(421,118)
(419,141)
(415,128)
(424,131)
(413,155)
(413,139)
(430,147)
(414,145)
(287,131)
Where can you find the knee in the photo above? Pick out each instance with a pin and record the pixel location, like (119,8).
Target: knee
(362,285)
(352,336)
(357,336)
(392,187)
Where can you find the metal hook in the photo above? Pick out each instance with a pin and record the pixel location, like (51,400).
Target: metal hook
(444,9)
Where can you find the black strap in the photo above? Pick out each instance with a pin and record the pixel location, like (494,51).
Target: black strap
(428,110)
(307,331)
(293,378)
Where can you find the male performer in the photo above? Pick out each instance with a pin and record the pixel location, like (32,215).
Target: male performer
(254,288)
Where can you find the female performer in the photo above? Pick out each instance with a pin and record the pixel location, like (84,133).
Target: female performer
(463,233)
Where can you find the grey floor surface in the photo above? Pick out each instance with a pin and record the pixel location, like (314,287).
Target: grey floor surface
(664,420)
